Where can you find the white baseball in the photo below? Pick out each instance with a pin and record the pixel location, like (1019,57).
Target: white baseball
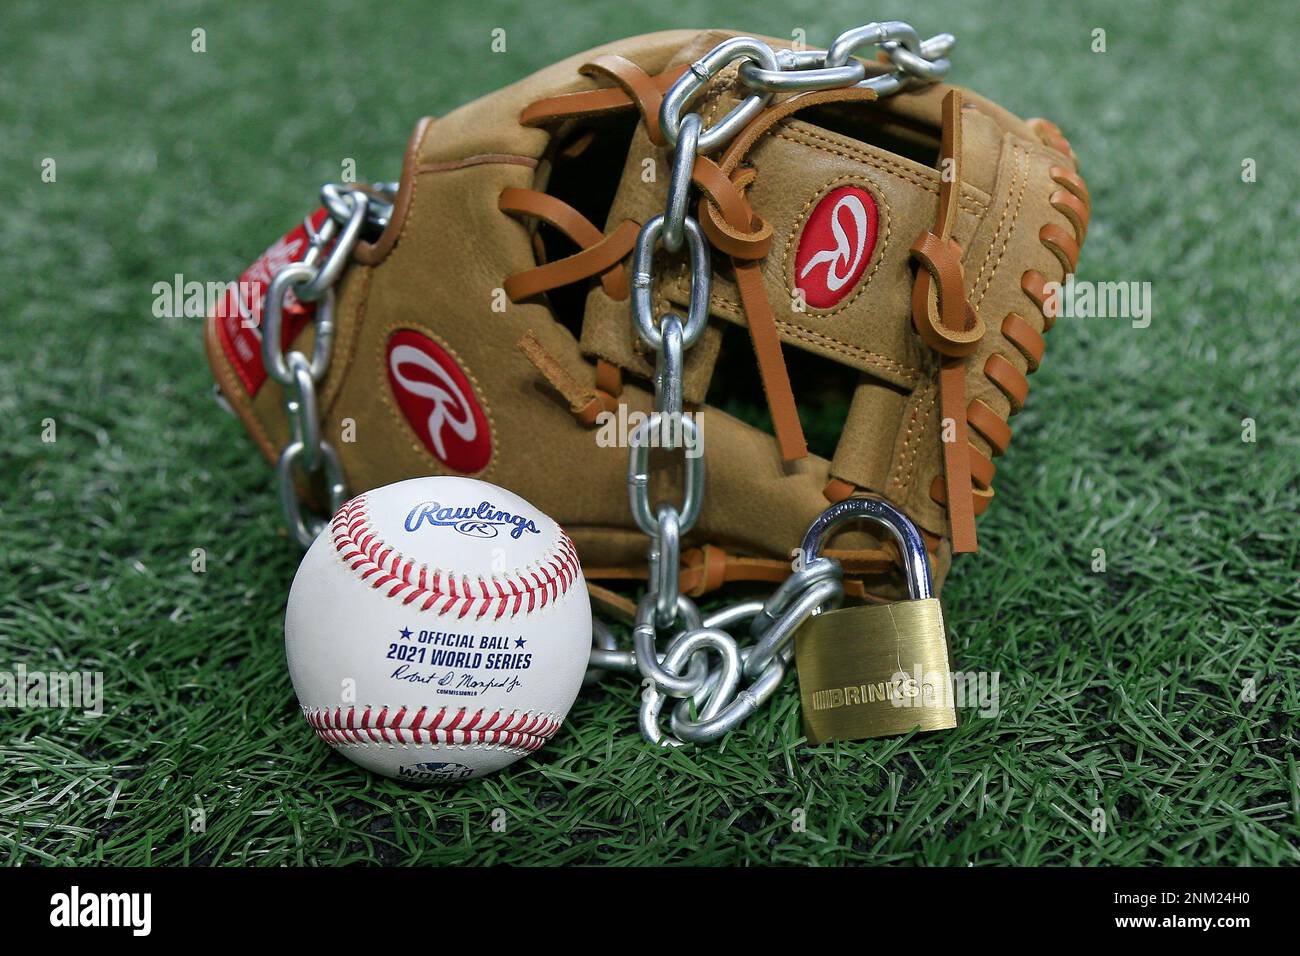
(438,629)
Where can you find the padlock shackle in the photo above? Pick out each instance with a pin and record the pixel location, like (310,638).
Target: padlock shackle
(916,562)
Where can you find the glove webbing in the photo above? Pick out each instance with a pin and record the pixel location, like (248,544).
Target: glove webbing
(941,312)
(732,226)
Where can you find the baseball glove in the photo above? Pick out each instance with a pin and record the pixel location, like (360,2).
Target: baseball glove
(881,248)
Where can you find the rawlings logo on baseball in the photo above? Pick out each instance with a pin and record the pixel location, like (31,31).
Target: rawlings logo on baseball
(481,521)
(836,246)
(438,401)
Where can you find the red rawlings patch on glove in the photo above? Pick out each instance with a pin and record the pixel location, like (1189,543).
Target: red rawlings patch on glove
(836,246)
(438,401)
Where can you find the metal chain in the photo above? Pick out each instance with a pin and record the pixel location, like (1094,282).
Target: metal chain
(312,279)
(709,699)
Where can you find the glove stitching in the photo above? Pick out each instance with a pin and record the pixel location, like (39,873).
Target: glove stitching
(1020,176)
(338,373)
(910,375)
(970,203)
(415,186)
(905,463)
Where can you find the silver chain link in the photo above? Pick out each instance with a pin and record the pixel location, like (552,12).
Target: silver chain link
(312,279)
(710,700)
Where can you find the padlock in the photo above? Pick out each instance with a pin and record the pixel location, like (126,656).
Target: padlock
(880,669)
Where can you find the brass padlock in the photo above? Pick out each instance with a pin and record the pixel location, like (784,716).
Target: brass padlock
(880,669)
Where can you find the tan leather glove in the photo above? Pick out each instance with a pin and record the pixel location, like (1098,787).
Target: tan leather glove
(881,265)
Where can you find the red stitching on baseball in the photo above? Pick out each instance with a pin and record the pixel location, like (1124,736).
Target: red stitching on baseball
(362,550)
(509,730)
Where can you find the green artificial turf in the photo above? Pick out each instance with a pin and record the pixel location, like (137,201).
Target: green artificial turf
(1121,690)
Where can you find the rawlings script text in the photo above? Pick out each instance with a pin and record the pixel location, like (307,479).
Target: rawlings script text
(481,521)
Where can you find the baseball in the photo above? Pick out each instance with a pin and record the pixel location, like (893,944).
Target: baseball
(438,629)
